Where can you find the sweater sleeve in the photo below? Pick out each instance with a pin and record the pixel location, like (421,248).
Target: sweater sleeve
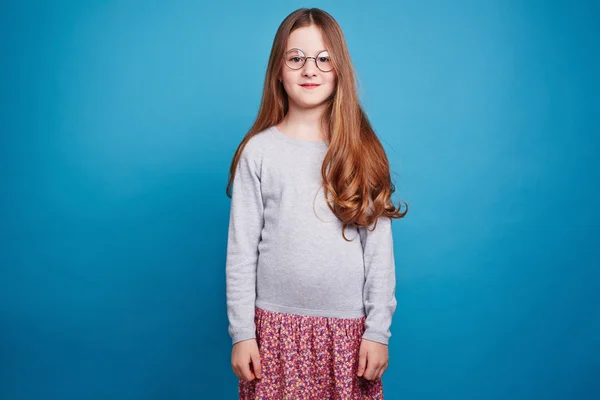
(380,280)
(245,226)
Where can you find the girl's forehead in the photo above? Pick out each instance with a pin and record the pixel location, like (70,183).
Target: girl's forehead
(308,38)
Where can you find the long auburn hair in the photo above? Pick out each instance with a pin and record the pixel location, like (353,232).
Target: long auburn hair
(355,170)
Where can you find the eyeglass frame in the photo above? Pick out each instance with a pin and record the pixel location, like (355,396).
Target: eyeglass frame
(305,58)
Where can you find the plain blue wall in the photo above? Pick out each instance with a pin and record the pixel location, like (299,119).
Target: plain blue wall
(119,120)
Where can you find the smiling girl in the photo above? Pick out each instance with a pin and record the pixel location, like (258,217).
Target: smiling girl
(310,266)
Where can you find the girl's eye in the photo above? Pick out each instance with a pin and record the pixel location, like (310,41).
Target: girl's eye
(296,59)
(324,59)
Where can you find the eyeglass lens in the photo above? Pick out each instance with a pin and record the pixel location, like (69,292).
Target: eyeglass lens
(295,59)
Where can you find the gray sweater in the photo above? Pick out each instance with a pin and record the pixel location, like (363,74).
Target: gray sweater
(285,250)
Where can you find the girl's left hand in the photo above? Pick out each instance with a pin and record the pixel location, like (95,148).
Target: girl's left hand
(372,359)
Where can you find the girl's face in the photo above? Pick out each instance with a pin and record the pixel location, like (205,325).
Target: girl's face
(307,86)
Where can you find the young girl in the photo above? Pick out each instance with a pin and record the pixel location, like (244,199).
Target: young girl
(310,259)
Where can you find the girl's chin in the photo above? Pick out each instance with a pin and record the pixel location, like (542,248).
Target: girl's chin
(309,103)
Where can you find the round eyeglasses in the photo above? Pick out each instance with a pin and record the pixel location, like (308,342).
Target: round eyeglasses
(295,59)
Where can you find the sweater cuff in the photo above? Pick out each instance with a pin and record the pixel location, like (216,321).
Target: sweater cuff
(376,337)
(242,335)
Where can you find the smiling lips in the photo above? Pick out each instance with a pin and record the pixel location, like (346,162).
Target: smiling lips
(310,85)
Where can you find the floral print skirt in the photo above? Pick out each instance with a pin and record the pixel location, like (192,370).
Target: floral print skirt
(306,357)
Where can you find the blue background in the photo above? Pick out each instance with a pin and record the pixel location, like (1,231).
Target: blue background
(118,124)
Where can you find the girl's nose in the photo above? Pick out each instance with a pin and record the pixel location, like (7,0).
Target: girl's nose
(310,67)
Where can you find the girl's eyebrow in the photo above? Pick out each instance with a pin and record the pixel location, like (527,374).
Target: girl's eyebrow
(298,48)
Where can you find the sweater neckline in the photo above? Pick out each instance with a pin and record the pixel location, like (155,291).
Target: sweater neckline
(317,144)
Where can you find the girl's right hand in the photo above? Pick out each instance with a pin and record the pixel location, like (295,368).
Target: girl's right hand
(243,355)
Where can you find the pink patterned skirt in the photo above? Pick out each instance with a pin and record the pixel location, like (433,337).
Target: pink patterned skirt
(306,357)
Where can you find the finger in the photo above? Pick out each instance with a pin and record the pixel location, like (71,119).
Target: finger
(362,362)
(246,372)
(383,369)
(371,371)
(237,371)
(256,365)
(379,374)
